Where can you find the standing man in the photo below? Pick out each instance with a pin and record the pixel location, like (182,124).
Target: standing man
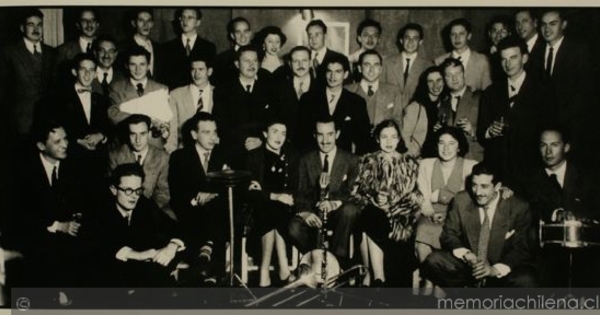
(107,73)
(367,37)
(239,35)
(499,28)
(190,99)
(320,54)
(526,25)
(179,51)
(403,70)
(142,22)
(476,65)
(484,240)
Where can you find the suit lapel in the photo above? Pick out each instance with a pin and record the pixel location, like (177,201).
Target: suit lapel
(569,184)
(315,167)
(498,231)
(472,225)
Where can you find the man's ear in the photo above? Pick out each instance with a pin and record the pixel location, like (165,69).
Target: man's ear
(22,28)
(40,146)
(337,134)
(498,186)
(525,58)
(113,190)
(194,134)
(237,64)
(346,74)
(469,36)
(567,148)
(209,71)
(563,25)
(264,134)
(73,72)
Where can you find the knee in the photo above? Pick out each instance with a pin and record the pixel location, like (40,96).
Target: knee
(523,279)
(296,228)
(350,211)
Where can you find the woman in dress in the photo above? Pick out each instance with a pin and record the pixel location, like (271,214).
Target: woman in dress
(386,190)
(270,39)
(274,169)
(421,115)
(440,178)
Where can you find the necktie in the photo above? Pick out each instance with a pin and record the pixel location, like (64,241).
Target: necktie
(35,50)
(200,103)
(127,218)
(406,70)
(549,61)
(140,89)
(370,91)
(484,236)
(205,162)
(188,48)
(455,103)
(326,164)
(459,58)
(105,84)
(555,182)
(54,176)
(248,87)
(331,104)
(139,159)
(512,88)
(84,90)
(299,92)
(89,48)
(315,63)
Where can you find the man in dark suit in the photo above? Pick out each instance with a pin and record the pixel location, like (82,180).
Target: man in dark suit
(137,243)
(199,205)
(107,73)
(178,52)
(142,22)
(87,25)
(526,25)
(568,70)
(499,27)
(239,35)
(348,110)
(341,169)
(403,70)
(242,105)
(316,31)
(154,161)
(510,114)
(484,240)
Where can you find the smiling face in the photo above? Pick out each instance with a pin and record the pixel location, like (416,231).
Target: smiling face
(497,32)
(326,136)
(369,37)
(248,64)
(138,67)
(553,27)
(139,136)
(106,54)
(33,29)
(55,146)
(206,134)
(275,136)
(388,139)
(512,61)
(483,189)
(200,73)
(447,147)
(85,73)
(454,77)
(335,75)
(87,24)
(411,41)
(272,44)
(435,84)
(370,67)
(526,25)
(241,33)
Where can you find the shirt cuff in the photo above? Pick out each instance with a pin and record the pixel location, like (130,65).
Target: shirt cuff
(337,204)
(460,252)
(194,202)
(179,243)
(502,269)
(53,228)
(487,134)
(123,253)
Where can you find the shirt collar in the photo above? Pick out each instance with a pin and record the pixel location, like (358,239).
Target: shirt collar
(459,93)
(531,42)
(144,82)
(321,53)
(100,74)
(142,41)
(192,38)
(556,45)
(83,43)
(49,167)
(244,82)
(465,55)
(124,213)
(29,45)
(518,82)
(365,85)
(336,93)
(491,206)
(201,150)
(305,80)
(411,57)
(330,157)
(144,153)
(196,89)
(560,172)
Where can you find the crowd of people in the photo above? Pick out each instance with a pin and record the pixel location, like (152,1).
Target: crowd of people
(446,164)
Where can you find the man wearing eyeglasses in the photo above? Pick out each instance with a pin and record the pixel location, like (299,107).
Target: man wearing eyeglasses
(178,52)
(138,243)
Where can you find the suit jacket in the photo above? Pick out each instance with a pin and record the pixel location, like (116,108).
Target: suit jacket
(386,103)
(320,73)
(392,72)
(477,75)
(156,170)
(183,108)
(350,116)
(516,151)
(124,91)
(414,128)
(468,107)
(288,104)
(508,234)
(176,64)
(117,76)
(535,65)
(256,165)
(344,171)
(21,87)
(224,69)
(64,54)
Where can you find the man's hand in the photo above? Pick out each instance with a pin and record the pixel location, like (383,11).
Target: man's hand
(439,217)
(465,125)
(565,215)
(383,200)
(165,254)
(146,255)
(88,145)
(203,198)
(327,205)
(437,126)
(495,129)
(286,199)
(311,219)
(482,269)
(94,138)
(506,192)
(252,143)
(70,227)
(254,185)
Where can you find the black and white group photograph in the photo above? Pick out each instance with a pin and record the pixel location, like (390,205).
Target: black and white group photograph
(313,157)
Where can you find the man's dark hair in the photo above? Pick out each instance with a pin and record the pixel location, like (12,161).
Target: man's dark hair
(103,38)
(81,57)
(136,50)
(43,128)
(179,11)
(299,48)
(273,120)
(94,11)
(368,23)
(135,119)
(451,62)
(507,21)
(456,133)
(27,13)
(532,13)
(560,12)
(194,57)
(511,42)
(462,22)
(407,27)
(324,120)
(483,168)
(127,169)
(137,11)
(318,23)
(369,52)
(564,132)
(241,50)
(341,59)
(233,22)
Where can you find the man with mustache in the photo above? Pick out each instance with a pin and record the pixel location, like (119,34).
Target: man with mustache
(106,53)
(484,240)
(367,37)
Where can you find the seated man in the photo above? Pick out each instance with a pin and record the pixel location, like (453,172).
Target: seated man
(341,168)
(484,240)
(154,161)
(137,242)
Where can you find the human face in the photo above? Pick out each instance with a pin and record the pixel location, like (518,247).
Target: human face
(275,136)
(483,189)
(370,68)
(447,147)
(87,24)
(369,37)
(248,64)
(143,24)
(388,139)
(86,72)
(553,149)
(206,135)
(241,33)
(33,29)
(300,63)
(55,147)
(272,44)
(513,61)
(526,26)
(335,75)
(189,21)
(497,32)
(200,73)
(454,78)
(553,27)
(106,54)
(411,41)
(326,136)
(139,136)
(138,67)
(435,84)
(460,38)
(124,202)
(316,37)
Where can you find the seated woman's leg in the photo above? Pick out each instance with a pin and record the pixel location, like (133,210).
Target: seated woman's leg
(364,254)
(377,257)
(343,222)
(282,258)
(267,242)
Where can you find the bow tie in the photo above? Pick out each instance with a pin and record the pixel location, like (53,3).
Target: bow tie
(84,90)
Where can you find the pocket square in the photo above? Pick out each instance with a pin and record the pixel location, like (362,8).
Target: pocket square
(267,106)
(390,105)
(344,178)
(347,118)
(509,234)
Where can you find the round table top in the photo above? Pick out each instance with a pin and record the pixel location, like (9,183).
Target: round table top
(228,177)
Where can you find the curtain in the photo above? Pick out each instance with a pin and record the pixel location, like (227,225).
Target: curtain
(54,34)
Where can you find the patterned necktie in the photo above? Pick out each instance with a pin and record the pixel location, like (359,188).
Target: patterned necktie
(140,89)
(188,48)
(54,176)
(299,92)
(406,70)
(326,164)
(370,91)
(484,236)
(549,62)
(200,102)
(205,162)
(315,64)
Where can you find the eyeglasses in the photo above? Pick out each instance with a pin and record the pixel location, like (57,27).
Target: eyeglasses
(129,191)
